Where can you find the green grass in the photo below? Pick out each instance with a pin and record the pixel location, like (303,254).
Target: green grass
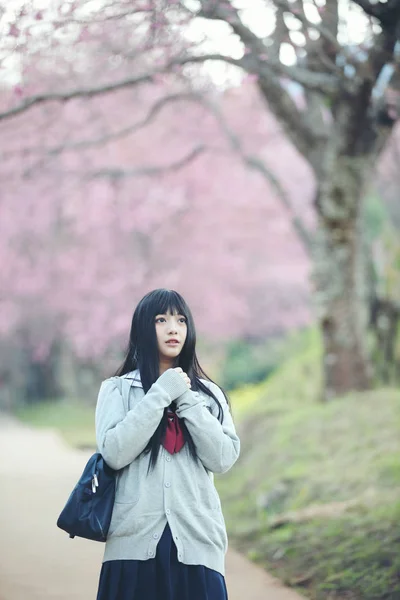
(298,380)
(73,420)
(355,556)
(298,453)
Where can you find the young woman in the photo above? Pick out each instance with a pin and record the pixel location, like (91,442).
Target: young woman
(167,538)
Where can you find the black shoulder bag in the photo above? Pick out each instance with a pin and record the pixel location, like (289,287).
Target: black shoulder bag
(88,510)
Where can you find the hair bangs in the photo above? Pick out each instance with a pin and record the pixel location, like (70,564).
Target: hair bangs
(171,301)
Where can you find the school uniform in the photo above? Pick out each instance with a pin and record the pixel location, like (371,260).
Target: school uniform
(167,538)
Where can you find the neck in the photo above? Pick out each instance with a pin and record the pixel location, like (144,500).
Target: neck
(165,364)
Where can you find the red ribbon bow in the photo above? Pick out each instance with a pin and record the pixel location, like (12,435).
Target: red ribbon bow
(173,440)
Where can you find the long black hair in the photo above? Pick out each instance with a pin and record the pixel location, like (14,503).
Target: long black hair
(143,354)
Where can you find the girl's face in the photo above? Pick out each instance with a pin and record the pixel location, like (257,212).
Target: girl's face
(171,330)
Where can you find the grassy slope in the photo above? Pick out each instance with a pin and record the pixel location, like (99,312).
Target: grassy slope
(299,453)
(74,421)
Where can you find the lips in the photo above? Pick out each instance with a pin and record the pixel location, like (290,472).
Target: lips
(172,342)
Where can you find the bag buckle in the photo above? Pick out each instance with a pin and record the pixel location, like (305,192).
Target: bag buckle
(95,483)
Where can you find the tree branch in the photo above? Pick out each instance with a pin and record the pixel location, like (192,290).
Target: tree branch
(319,81)
(301,230)
(386,13)
(103,19)
(252,161)
(256,163)
(115,173)
(107,137)
(302,133)
(325,33)
(254,63)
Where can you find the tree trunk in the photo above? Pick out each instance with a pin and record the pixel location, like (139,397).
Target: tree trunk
(340,277)
(385,319)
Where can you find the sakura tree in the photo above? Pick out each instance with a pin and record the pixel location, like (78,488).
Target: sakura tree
(327,71)
(104,197)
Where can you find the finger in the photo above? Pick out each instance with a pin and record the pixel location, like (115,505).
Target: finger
(178,370)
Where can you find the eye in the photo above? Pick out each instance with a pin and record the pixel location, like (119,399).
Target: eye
(160,319)
(183,320)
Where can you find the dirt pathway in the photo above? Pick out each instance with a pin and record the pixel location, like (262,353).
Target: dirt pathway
(37,560)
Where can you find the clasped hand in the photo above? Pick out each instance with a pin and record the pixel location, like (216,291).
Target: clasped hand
(184,376)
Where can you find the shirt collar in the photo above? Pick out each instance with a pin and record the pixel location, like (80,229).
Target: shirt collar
(134,378)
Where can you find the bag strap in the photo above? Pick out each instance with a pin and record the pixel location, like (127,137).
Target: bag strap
(118,381)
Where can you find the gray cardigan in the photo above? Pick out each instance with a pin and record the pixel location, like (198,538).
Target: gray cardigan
(178,490)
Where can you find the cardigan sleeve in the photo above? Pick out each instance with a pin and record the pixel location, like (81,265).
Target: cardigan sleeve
(121,436)
(217,444)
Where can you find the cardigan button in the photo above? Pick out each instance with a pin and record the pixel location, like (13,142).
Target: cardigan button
(151,553)
(168,511)
(155,536)
(168,458)
(168,484)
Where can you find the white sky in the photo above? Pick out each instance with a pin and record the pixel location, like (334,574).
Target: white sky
(260,19)
(217,37)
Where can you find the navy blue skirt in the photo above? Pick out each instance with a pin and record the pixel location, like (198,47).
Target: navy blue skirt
(160,578)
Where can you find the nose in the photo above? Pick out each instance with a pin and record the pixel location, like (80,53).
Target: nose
(173,327)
